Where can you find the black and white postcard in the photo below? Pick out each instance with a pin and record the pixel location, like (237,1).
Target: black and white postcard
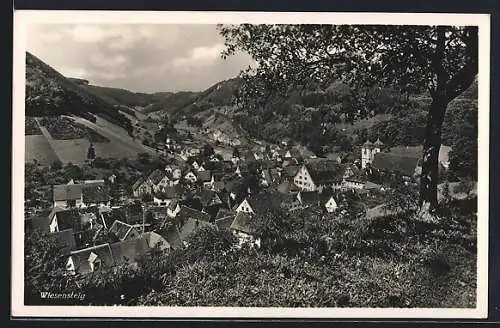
(250,165)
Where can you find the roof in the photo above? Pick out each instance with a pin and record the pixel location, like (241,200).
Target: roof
(232,185)
(291,170)
(67,239)
(246,223)
(378,142)
(416,151)
(129,250)
(208,198)
(95,194)
(172,205)
(224,222)
(368,143)
(204,176)
(287,187)
(172,192)
(191,226)
(191,213)
(138,183)
(81,257)
(405,165)
(156,176)
(67,192)
(120,229)
(309,197)
(218,185)
(325,171)
(69,219)
(265,200)
(153,239)
(172,237)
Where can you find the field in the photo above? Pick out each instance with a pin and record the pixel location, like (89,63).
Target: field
(38,148)
(65,128)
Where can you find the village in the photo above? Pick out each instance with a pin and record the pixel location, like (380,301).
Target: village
(199,187)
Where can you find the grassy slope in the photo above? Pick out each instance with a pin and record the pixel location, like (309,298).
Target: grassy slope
(50,93)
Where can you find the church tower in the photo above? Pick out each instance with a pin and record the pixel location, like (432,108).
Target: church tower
(366,153)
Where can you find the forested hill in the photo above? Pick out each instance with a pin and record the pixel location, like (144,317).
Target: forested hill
(50,93)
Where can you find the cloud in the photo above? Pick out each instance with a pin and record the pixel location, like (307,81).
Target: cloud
(138,57)
(199,56)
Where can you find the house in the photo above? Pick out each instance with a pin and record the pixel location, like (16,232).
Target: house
(186,212)
(90,259)
(315,175)
(353,182)
(95,195)
(168,195)
(290,171)
(443,157)
(155,240)
(209,198)
(66,239)
(190,177)
(159,180)
(259,203)
(287,187)
(68,195)
(112,178)
(245,227)
(206,178)
(391,163)
(142,187)
(173,209)
(124,230)
(66,219)
(331,205)
(129,250)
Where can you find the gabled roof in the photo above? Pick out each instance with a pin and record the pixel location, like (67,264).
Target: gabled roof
(291,170)
(368,143)
(191,226)
(172,192)
(204,176)
(95,194)
(190,213)
(310,197)
(266,200)
(405,165)
(287,187)
(325,171)
(129,250)
(153,239)
(224,223)
(81,257)
(208,198)
(173,205)
(246,223)
(121,229)
(67,192)
(218,185)
(67,239)
(378,142)
(139,182)
(69,219)
(156,176)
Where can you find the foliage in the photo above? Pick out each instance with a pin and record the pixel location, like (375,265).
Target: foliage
(440,60)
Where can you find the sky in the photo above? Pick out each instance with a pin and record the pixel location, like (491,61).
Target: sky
(137,57)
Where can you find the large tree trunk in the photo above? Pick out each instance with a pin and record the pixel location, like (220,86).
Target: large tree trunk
(432,143)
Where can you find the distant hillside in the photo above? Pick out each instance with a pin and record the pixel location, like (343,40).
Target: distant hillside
(124,97)
(50,93)
(173,103)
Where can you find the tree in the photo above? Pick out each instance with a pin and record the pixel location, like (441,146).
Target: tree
(91,153)
(44,266)
(441,60)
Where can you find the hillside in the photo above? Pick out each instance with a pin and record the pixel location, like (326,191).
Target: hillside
(122,97)
(62,119)
(50,93)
